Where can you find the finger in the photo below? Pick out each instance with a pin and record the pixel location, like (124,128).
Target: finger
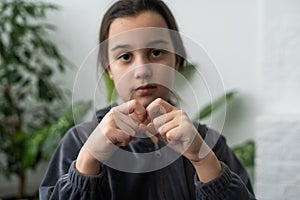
(158,107)
(173,134)
(164,129)
(162,120)
(134,118)
(126,124)
(179,140)
(120,138)
(151,129)
(133,106)
(125,118)
(174,140)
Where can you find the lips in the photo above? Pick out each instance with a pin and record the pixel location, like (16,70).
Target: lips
(147,86)
(146,89)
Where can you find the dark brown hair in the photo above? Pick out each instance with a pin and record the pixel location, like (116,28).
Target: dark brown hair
(124,8)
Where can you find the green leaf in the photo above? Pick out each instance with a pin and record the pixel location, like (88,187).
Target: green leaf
(245,153)
(110,87)
(48,91)
(32,146)
(63,124)
(31,10)
(19,136)
(27,54)
(13,76)
(208,109)
(188,71)
(49,27)
(26,83)
(46,71)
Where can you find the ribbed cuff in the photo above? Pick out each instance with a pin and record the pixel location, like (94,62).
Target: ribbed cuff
(215,187)
(85,182)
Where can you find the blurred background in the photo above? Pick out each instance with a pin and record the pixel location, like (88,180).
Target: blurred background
(255,47)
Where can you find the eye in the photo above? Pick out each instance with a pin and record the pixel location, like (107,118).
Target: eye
(157,52)
(125,57)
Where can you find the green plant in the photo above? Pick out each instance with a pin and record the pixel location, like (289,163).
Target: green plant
(41,143)
(30,102)
(208,109)
(109,87)
(245,153)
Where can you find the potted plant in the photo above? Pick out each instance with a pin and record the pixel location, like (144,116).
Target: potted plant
(32,107)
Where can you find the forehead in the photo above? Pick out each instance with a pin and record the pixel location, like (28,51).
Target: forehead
(141,38)
(142,20)
(145,30)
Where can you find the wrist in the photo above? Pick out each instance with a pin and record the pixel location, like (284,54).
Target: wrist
(86,163)
(204,152)
(204,160)
(208,168)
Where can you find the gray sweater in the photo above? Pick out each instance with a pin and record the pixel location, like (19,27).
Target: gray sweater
(176,180)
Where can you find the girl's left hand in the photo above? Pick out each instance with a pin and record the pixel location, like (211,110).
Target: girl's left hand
(176,129)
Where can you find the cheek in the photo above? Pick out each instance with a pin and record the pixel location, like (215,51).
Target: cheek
(163,75)
(122,80)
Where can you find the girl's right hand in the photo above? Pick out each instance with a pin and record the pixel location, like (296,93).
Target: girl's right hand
(115,129)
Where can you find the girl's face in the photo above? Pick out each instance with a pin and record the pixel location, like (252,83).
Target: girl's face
(141,60)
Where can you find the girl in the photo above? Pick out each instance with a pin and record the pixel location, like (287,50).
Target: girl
(145,147)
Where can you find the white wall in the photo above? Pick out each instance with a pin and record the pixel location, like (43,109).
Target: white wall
(278,125)
(228,30)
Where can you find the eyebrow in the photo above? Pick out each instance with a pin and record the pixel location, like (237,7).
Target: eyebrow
(149,44)
(121,46)
(156,42)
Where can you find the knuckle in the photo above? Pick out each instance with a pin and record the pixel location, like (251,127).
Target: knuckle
(169,137)
(106,132)
(112,111)
(133,102)
(155,121)
(162,131)
(159,101)
(181,113)
(126,138)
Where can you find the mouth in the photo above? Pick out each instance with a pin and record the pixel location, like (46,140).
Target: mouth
(146,89)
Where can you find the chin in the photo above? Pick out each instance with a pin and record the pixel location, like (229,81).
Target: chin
(145,101)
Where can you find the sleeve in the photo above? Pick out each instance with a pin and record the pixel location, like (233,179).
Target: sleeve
(227,186)
(233,182)
(63,181)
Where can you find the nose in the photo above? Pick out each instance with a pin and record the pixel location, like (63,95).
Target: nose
(143,69)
